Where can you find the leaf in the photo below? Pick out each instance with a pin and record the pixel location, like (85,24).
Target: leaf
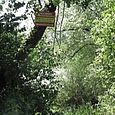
(1,8)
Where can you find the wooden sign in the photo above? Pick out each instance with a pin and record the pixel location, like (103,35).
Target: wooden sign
(45,19)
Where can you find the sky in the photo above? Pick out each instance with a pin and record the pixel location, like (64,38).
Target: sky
(28,23)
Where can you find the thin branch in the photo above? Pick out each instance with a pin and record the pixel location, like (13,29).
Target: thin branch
(55,31)
(81,49)
(62,20)
(74,29)
(39,1)
(32,19)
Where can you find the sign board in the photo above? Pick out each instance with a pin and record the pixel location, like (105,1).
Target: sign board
(45,19)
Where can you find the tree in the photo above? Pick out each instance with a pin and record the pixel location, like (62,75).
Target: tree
(103,33)
(26,76)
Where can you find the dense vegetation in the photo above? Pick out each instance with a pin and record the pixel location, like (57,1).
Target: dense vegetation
(64,70)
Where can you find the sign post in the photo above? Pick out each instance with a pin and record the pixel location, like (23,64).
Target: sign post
(45,19)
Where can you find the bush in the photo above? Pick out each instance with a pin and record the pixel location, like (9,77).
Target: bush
(80,85)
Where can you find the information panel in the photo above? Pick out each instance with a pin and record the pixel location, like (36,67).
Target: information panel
(45,19)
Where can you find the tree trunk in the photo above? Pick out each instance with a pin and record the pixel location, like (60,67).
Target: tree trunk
(35,37)
(31,43)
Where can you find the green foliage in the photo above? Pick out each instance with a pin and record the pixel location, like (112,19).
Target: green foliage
(9,44)
(82,110)
(80,85)
(56,2)
(107,101)
(104,34)
(1,7)
(29,86)
(83,3)
(34,77)
(40,75)
(15,104)
(87,109)
(1,4)
(75,29)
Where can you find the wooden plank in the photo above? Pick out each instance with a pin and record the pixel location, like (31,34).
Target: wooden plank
(45,19)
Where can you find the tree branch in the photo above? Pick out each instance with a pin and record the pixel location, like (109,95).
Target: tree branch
(74,29)
(40,3)
(81,49)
